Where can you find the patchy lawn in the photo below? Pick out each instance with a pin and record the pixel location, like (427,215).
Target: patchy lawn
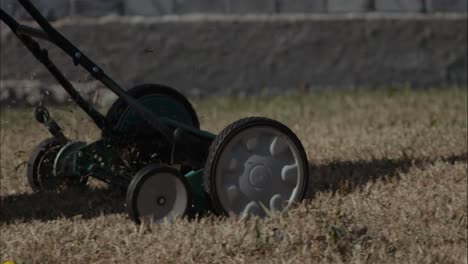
(388,185)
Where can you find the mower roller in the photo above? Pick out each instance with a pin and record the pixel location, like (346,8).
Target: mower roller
(152,147)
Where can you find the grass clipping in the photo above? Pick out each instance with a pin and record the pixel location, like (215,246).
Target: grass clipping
(388,185)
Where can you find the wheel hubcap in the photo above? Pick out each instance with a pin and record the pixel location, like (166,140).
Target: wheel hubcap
(259,177)
(163,196)
(259,168)
(161,201)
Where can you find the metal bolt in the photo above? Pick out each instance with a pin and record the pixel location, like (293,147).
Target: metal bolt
(161,200)
(95,69)
(77,55)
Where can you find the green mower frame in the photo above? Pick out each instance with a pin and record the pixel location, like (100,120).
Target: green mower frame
(152,147)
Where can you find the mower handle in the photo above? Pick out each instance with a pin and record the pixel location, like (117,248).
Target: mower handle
(24,33)
(33,32)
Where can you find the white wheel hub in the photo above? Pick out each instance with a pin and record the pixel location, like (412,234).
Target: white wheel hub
(163,196)
(259,170)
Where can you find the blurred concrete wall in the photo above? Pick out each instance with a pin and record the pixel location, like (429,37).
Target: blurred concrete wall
(252,55)
(420,43)
(55,9)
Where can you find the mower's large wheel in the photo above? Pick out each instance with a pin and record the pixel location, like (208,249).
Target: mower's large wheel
(40,171)
(158,193)
(159,99)
(256,166)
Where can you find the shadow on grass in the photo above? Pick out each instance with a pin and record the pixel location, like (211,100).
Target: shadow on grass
(87,203)
(341,176)
(346,176)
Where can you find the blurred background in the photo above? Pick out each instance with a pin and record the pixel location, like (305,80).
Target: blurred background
(56,9)
(242,47)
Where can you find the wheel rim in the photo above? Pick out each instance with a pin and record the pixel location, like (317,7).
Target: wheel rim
(161,197)
(61,158)
(259,171)
(45,174)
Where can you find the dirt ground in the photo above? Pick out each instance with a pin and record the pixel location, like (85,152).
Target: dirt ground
(388,185)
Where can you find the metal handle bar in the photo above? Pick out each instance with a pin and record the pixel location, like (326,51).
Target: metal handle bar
(33,32)
(24,34)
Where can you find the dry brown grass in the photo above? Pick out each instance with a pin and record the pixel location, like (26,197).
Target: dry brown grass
(388,185)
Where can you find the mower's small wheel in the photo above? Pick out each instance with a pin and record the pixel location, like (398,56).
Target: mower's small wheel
(158,193)
(256,166)
(41,165)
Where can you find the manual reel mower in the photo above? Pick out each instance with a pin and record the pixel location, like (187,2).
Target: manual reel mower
(153,147)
